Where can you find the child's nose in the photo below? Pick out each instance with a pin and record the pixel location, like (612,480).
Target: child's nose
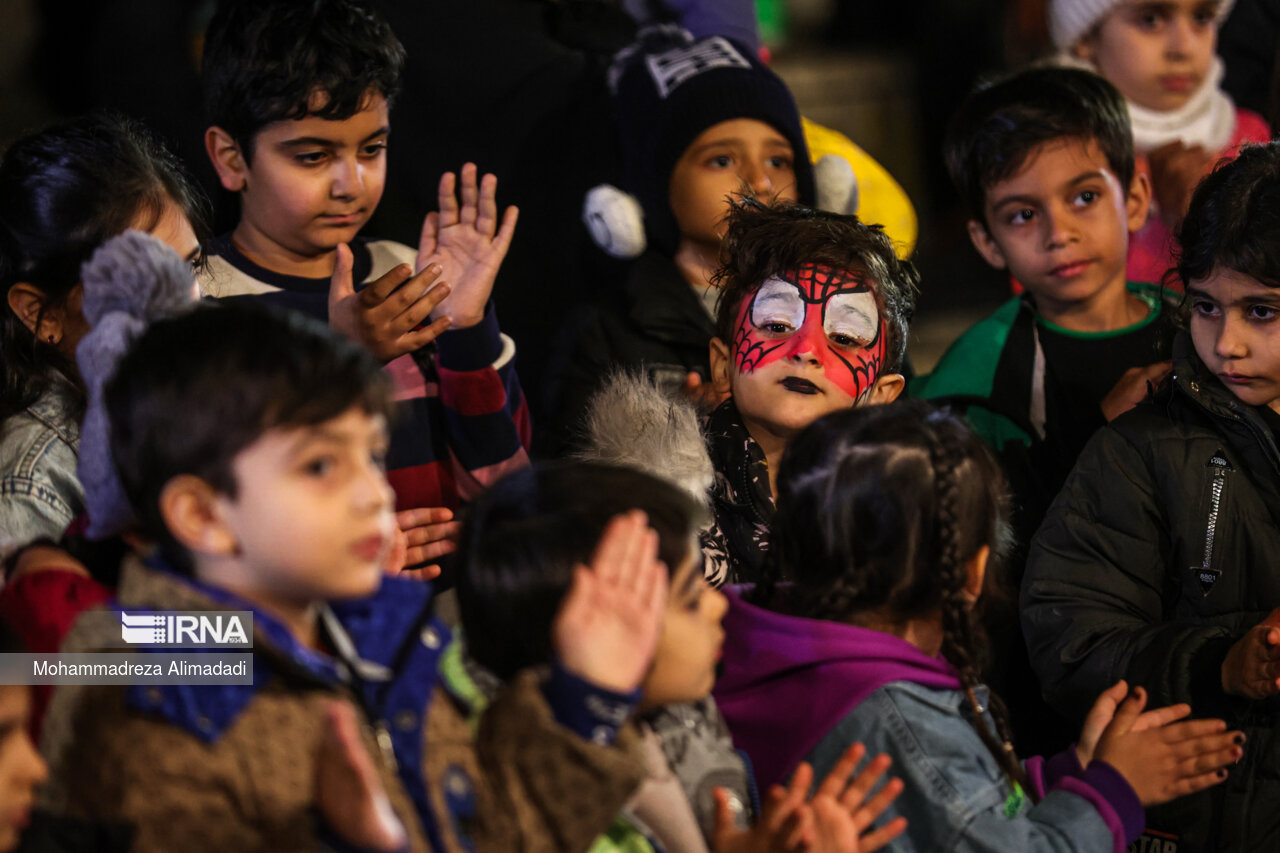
(346,179)
(372,492)
(1059,229)
(757,178)
(807,343)
(1179,36)
(1230,343)
(32,765)
(717,604)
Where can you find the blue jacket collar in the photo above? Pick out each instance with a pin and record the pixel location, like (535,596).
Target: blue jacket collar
(366,635)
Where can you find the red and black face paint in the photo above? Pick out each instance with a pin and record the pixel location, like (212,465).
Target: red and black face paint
(829,314)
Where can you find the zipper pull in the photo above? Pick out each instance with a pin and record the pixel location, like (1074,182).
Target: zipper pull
(383,737)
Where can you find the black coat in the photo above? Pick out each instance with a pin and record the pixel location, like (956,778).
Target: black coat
(1161,551)
(655,324)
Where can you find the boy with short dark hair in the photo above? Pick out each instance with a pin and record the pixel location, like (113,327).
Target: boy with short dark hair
(250,444)
(1044,160)
(298,97)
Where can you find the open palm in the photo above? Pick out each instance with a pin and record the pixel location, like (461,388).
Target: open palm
(465,241)
(608,627)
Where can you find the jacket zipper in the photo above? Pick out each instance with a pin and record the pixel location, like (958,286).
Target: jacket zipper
(1211,529)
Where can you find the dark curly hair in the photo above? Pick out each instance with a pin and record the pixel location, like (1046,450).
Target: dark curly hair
(763,240)
(265,60)
(1234,219)
(879,510)
(1002,122)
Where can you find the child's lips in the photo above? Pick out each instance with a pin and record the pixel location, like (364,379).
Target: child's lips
(341,218)
(369,548)
(1070,270)
(1180,83)
(800,386)
(1236,378)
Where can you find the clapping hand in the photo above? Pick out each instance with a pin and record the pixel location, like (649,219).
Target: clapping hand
(609,624)
(465,242)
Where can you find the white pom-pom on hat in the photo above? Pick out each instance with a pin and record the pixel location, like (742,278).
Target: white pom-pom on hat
(615,220)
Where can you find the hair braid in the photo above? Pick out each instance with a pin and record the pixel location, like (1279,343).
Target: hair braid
(958,640)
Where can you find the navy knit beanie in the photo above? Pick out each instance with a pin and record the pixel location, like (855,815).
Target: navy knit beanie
(669,88)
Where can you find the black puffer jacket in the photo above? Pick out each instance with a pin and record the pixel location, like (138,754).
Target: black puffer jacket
(655,323)
(1161,551)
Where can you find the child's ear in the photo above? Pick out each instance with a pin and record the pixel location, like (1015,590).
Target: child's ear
(191,509)
(1085,48)
(976,572)
(28,303)
(227,158)
(887,388)
(721,367)
(987,247)
(1138,202)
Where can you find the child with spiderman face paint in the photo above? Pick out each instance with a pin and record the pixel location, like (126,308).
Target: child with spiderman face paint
(812,318)
(815,308)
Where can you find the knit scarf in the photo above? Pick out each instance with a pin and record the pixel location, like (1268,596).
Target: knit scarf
(1208,118)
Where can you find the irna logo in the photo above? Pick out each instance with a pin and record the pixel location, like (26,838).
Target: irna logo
(187,629)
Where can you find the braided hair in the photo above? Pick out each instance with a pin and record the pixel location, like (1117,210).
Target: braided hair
(880,510)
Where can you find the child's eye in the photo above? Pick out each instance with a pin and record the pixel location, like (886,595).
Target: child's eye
(1204,308)
(1021,217)
(1205,15)
(379,458)
(320,466)
(1262,313)
(777,327)
(720,161)
(780,162)
(1087,197)
(847,341)
(1149,17)
(310,158)
(373,149)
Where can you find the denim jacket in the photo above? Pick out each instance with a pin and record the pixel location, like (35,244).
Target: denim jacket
(39,491)
(796,688)
(955,797)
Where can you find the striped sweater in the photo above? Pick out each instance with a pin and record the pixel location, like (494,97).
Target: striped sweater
(460,419)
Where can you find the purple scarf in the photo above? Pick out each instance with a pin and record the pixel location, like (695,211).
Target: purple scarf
(788,681)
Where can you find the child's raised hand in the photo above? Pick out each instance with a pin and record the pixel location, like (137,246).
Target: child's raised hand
(1132,388)
(383,318)
(701,392)
(785,821)
(609,624)
(842,811)
(832,821)
(348,792)
(1168,761)
(1104,710)
(430,533)
(466,243)
(1252,666)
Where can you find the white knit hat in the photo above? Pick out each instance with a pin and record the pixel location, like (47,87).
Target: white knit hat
(1071,19)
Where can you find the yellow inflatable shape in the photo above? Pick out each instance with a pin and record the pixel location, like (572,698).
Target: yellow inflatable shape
(880,198)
